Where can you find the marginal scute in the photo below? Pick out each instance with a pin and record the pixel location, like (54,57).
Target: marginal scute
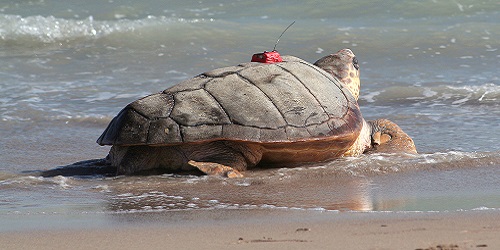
(201,133)
(132,128)
(108,136)
(239,132)
(197,107)
(295,132)
(273,135)
(245,103)
(348,95)
(319,130)
(353,119)
(164,131)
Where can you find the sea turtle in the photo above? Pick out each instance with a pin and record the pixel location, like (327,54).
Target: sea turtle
(230,119)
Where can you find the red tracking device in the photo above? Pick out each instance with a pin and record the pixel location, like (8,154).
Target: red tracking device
(270,56)
(267,57)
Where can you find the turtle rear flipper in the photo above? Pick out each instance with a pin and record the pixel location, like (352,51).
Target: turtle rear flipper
(212,168)
(223,158)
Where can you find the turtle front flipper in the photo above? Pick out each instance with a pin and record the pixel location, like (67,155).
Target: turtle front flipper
(388,137)
(212,168)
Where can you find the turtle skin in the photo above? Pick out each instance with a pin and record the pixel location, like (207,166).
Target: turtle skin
(231,119)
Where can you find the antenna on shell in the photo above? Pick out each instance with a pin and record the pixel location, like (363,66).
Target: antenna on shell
(270,56)
(277,41)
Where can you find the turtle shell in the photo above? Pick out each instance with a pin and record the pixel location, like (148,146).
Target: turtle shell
(290,101)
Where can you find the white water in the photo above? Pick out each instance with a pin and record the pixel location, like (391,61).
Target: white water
(66,69)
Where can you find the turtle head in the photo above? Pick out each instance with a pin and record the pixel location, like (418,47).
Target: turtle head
(344,66)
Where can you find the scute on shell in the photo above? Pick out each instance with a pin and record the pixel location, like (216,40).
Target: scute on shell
(262,103)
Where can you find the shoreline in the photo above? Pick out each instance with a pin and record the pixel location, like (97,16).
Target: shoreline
(279,229)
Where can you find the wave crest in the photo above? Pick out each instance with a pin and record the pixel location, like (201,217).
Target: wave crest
(22,30)
(485,94)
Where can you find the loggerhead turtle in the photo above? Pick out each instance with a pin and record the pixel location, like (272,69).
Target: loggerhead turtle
(230,119)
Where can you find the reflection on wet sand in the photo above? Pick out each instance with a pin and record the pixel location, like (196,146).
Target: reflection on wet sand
(367,183)
(265,189)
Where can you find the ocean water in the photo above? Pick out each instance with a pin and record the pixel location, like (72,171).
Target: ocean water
(68,68)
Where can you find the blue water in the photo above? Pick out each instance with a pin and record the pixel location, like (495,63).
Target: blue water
(67,68)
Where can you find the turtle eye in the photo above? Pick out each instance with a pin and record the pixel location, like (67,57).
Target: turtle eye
(355,63)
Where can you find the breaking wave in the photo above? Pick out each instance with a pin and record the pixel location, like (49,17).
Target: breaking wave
(33,30)
(438,94)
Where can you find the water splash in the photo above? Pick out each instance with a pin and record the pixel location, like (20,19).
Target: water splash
(33,29)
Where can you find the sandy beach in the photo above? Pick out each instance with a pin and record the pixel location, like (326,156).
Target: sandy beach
(69,68)
(264,229)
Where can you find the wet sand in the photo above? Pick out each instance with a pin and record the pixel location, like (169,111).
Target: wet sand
(276,229)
